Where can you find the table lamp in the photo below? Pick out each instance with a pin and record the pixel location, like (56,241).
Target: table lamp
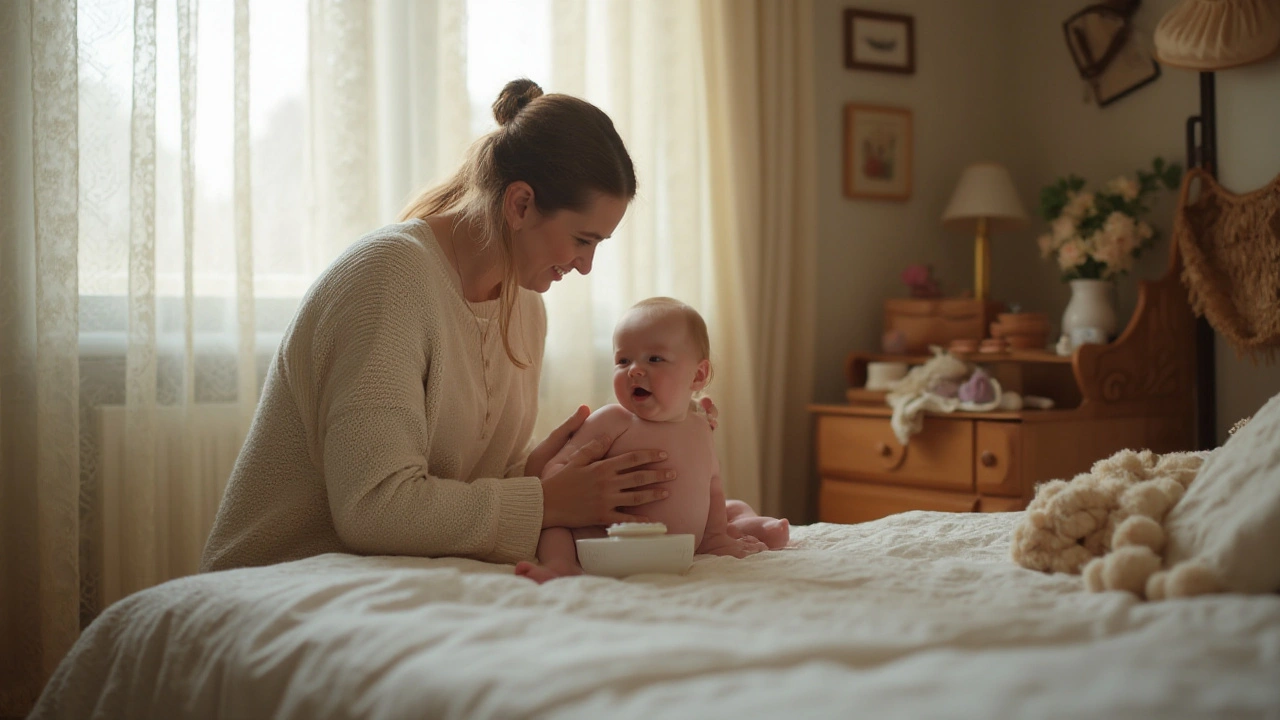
(984,201)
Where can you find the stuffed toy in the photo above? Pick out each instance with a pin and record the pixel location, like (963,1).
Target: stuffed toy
(936,386)
(945,384)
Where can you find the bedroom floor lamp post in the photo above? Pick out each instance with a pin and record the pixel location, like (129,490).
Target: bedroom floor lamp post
(1206,36)
(984,202)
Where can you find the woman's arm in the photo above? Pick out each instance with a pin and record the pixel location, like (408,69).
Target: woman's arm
(371,433)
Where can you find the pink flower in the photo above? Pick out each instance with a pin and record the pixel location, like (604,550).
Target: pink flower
(1079,206)
(916,275)
(1063,228)
(919,279)
(1072,253)
(1119,225)
(1115,252)
(1108,252)
(1124,186)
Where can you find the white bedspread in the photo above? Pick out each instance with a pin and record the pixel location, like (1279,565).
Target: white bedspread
(917,615)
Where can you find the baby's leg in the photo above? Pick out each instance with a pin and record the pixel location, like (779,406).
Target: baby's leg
(557,557)
(735,509)
(775,533)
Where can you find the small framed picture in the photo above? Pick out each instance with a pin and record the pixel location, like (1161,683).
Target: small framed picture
(1108,54)
(877,152)
(879,41)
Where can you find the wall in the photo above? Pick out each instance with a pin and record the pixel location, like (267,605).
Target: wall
(958,117)
(994,81)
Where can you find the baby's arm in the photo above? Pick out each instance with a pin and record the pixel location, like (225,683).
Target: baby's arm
(715,538)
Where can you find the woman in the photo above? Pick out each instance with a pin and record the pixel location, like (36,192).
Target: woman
(397,413)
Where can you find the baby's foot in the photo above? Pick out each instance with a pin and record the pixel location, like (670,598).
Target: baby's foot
(542,573)
(738,547)
(775,533)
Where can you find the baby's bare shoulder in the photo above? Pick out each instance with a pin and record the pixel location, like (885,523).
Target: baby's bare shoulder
(609,416)
(611,420)
(697,423)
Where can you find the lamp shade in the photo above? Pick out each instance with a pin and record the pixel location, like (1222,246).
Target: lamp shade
(1209,35)
(985,191)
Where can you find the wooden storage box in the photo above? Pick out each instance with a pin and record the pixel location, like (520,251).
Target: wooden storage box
(925,322)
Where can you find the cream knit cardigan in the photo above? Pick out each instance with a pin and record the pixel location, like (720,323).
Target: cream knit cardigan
(379,431)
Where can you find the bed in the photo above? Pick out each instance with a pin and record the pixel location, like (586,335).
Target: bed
(916,615)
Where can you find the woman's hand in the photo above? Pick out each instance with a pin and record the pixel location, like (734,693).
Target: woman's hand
(588,491)
(710,410)
(547,449)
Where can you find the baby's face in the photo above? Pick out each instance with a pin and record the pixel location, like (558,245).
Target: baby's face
(656,367)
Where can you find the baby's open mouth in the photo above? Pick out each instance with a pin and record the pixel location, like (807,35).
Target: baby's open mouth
(640,393)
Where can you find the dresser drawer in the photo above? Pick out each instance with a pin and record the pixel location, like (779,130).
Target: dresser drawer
(998,458)
(842,501)
(856,448)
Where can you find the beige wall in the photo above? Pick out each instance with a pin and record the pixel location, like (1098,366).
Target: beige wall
(862,244)
(994,81)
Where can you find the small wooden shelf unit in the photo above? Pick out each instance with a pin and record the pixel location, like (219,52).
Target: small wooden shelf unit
(1136,392)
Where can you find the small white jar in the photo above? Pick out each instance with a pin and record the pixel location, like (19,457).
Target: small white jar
(882,375)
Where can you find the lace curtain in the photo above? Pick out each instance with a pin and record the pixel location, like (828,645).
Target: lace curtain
(169,190)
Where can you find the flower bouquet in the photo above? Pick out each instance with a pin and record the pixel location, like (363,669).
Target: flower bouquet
(1097,235)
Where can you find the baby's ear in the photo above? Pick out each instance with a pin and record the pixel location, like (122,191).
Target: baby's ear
(702,375)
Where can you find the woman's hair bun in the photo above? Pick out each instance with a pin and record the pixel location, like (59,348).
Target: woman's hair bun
(514,96)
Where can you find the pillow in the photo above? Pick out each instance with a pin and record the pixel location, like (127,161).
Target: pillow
(1229,520)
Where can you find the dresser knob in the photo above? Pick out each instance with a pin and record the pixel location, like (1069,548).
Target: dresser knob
(884,449)
(988,458)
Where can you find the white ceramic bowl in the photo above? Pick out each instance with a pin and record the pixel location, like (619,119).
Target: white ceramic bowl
(623,556)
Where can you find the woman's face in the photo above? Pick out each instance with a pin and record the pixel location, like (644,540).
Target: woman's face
(546,247)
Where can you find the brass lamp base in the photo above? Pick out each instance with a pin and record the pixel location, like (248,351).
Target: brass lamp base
(981,263)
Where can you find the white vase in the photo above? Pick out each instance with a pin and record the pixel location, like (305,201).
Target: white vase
(1090,316)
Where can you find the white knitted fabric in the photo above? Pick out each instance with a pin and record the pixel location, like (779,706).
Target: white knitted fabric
(374,403)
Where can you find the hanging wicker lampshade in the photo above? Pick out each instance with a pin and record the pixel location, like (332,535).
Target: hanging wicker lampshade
(1210,35)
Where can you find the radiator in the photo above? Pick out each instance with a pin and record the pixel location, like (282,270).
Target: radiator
(156,533)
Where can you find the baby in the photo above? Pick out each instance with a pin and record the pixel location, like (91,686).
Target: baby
(661,359)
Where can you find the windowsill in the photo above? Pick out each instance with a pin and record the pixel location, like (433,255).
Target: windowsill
(115,344)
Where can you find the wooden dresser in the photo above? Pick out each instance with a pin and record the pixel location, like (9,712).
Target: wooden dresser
(1136,392)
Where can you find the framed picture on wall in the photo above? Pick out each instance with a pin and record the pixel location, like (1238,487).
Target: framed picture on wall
(879,41)
(877,152)
(1108,54)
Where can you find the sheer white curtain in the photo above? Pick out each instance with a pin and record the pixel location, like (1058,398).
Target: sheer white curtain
(760,98)
(174,173)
